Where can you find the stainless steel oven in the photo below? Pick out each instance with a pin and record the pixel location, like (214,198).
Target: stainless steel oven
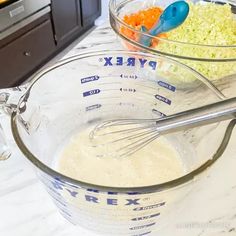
(16,11)
(4,3)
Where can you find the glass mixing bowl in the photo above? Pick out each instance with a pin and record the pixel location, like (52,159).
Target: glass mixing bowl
(88,88)
(213,61)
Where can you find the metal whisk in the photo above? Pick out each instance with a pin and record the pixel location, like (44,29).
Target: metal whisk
(123,137)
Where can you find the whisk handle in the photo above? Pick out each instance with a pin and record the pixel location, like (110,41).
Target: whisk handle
(204,115)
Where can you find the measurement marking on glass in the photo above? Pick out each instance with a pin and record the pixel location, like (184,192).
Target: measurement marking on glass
(149,207)
(95,78)
(145,217)
(89,79)
(125,76)
(159,82)
(142,226)
(91,92)
(128,90)
(93,107)
(163,99)
(167,86)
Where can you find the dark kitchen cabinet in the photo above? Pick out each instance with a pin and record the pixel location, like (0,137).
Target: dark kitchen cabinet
(66,19)
(20,57)
(33,44)
(72,17)
(91,9)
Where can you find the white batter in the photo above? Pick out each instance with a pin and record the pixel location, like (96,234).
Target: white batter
(158,162)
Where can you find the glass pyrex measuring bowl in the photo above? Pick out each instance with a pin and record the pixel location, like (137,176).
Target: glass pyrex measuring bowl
(88,88)
(214,61)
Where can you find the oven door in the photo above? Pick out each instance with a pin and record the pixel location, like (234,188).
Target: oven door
(4,3)
(14,11)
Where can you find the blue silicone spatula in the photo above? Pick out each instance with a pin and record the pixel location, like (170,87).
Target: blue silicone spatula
(172,17)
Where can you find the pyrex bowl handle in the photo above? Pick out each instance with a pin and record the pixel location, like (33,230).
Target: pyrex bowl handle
(8,103)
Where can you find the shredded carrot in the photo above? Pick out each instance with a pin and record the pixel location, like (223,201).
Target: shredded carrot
(145,18)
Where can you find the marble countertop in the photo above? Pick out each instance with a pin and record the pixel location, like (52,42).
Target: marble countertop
(26,209)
